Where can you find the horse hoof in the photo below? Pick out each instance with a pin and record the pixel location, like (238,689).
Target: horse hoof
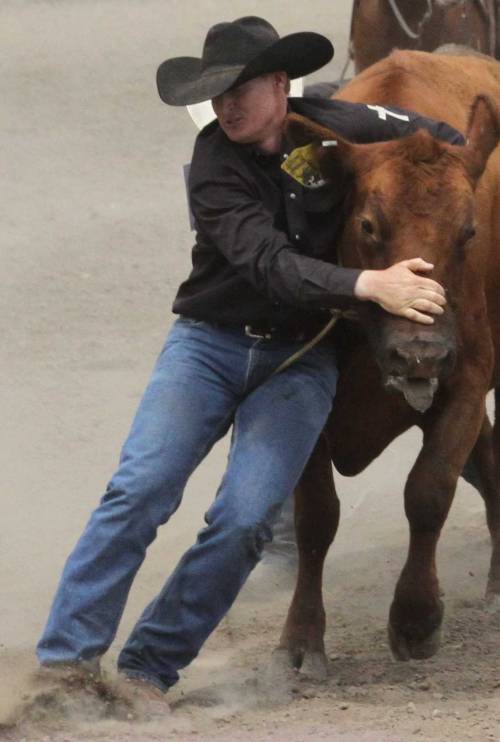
(315,667)
(406,648)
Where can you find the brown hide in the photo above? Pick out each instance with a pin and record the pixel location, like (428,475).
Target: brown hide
(422,197)
(444,88)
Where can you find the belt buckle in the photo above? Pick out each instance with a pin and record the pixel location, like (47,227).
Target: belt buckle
(251,333)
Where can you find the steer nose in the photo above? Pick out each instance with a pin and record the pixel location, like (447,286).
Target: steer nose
(425,361)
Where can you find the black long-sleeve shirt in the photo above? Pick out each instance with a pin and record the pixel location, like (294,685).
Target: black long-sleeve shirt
(265,246)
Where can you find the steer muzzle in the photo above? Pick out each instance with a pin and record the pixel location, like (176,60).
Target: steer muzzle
(414,359)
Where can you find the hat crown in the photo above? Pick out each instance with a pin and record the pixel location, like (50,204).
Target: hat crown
(238,42)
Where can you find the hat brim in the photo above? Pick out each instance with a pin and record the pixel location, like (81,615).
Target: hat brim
(182,81)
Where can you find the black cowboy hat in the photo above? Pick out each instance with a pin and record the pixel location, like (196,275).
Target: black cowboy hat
(236,52)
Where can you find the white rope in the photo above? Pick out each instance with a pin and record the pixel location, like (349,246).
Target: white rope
(399,17)
(336,314)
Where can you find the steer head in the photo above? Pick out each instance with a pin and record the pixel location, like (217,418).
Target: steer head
(411,197)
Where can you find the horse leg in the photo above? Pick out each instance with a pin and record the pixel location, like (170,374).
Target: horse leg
(495,14)
(317,511)
(450,432)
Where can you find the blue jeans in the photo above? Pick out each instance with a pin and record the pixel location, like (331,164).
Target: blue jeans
(206,379)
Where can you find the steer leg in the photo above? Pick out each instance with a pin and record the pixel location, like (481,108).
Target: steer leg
(485,463)
(450,432)
(317,511)
(492,499)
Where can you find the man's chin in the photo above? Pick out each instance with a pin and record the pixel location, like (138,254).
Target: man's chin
(241,136)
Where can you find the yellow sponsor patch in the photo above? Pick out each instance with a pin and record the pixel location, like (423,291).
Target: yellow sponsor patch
(301,165)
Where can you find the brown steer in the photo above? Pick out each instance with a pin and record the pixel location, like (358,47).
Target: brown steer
(412,197)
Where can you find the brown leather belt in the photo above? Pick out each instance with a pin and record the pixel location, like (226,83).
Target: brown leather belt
(265,331)
(286,334)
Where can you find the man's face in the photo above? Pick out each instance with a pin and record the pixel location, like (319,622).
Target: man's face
(253,112)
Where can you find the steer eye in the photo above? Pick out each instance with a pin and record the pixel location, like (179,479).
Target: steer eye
(367,226)
(469,233)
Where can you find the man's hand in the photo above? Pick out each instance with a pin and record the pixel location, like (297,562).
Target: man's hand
(400,290)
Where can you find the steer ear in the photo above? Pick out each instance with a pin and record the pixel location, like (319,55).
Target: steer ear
(320,155)
(301,130)
(483,134)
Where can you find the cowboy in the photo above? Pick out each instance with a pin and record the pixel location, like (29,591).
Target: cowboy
(263,282)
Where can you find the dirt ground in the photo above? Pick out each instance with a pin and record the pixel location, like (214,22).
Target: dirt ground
(95,242)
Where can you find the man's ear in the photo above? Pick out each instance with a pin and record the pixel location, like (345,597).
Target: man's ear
(317,150)
(281,81)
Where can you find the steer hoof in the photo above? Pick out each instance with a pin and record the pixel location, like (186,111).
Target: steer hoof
(315,666)
(311,665)
(281,666)
(405,647)
(284,659)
